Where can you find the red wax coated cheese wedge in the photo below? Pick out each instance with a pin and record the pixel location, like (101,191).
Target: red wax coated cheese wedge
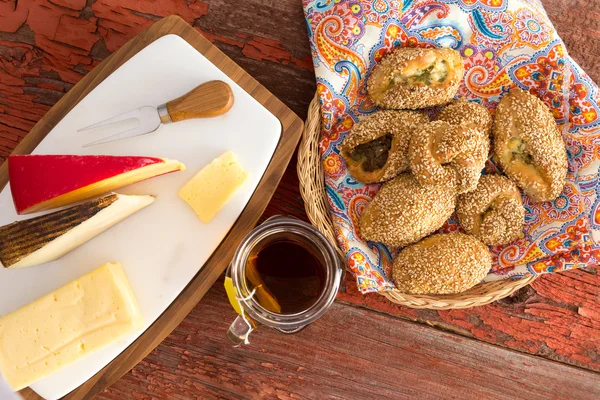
(44,182)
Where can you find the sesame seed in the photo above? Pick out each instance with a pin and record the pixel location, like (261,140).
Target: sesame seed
(403,211)
(493,212)
(401,124)
(387,93)
(450,155)
(463,112)
(529,145)
(441,264)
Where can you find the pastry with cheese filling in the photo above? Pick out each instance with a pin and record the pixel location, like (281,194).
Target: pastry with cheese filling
(449,155)
(493,212)
(403,211)
(446,263)
(529,145)
(376,149)
(463,112)
(411,78)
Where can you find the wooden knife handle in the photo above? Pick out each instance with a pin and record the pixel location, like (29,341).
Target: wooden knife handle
(209,99)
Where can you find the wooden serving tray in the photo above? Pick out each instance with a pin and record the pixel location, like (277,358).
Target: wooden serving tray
(216,264)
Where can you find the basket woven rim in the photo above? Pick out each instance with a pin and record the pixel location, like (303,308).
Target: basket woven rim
(312,190)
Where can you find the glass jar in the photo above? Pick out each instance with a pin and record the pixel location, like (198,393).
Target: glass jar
(252,314)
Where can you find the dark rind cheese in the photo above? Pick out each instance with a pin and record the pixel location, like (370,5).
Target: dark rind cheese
(21,238)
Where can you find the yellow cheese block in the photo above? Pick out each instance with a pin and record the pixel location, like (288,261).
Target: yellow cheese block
(208,191)
(56,330)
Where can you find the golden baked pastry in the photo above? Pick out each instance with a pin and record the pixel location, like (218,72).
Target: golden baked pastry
(493,212)
(416,78)
(376,149)
(529,145)
(403,212)
(441,264)
(463,112)
(448,155)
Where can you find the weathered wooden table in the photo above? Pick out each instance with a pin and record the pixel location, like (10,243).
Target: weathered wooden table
(543,342)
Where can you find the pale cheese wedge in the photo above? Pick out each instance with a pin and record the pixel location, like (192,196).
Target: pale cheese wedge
(210,189)
(48,237)
(61,327)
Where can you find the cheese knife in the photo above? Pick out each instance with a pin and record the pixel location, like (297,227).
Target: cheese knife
(209,99)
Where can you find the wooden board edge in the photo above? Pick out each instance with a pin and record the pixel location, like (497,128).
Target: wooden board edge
(292,127)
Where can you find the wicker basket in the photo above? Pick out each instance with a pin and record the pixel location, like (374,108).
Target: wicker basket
(310,173)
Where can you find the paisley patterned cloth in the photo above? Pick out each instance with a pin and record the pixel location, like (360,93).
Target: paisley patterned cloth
(504,44)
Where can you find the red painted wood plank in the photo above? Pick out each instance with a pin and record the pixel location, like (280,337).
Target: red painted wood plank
(350,353)
(46,46)
(544,319)
(61,40)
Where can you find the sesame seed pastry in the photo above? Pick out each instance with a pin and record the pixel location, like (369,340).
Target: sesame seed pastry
(529,145)
(411,78)
(464,112)
(449,155)
(441,264)
(376,149)
(403,212)
(493,212)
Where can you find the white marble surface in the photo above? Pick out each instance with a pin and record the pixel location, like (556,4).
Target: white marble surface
(163,246)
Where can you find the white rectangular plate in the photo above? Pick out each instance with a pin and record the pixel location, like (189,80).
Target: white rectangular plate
(163,246)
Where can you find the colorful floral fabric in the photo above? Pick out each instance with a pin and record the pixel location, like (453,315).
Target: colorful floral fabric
(504,44)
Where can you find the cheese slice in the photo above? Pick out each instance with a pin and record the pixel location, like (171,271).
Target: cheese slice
(61,327)
(42,182)
(210,189)
(48,237)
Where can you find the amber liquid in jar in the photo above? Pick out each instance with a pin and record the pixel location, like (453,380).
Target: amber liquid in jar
(287,276)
